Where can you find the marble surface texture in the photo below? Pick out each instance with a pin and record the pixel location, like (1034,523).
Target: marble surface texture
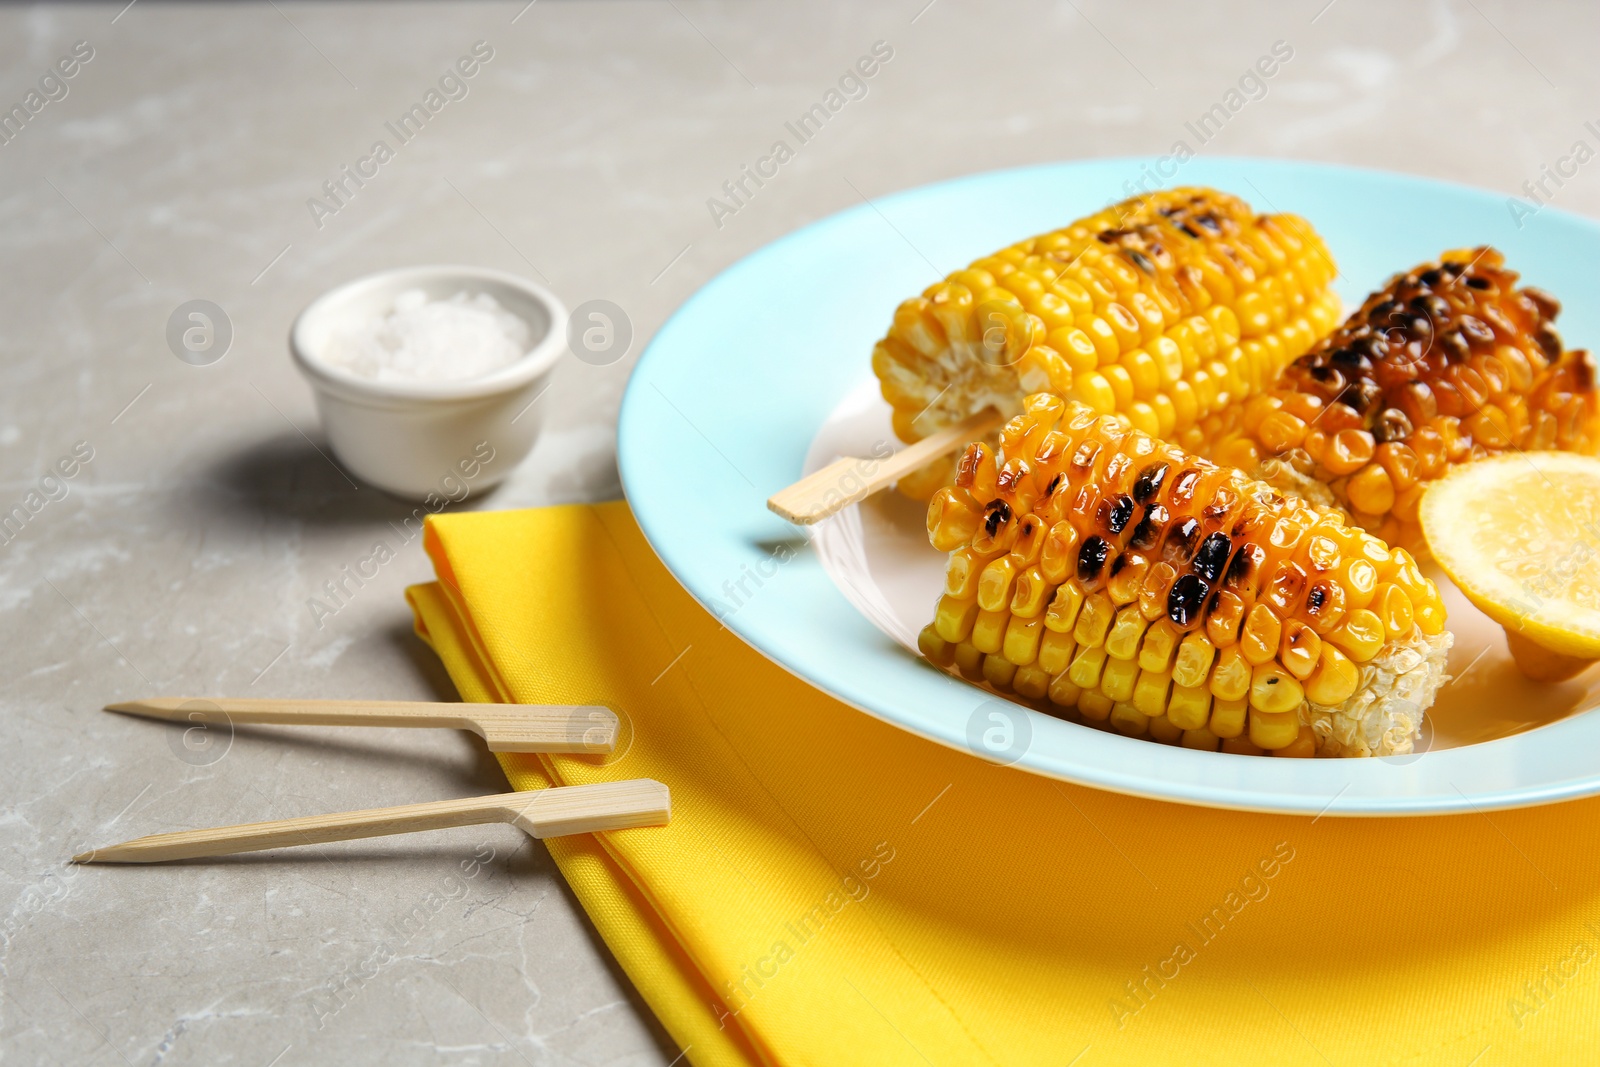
(178,165)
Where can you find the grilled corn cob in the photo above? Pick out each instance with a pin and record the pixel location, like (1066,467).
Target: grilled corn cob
(1093,567)
(1449,362)
(1165,308)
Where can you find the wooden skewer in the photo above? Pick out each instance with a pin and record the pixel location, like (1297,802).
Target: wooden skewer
(506,727)
(845,481)
(571,809)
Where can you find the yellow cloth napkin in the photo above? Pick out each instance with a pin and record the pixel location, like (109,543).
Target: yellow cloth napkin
(835,891)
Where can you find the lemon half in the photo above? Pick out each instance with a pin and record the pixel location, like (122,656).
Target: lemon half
(1520,535)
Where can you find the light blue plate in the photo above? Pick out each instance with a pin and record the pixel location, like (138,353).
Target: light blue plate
(725,401)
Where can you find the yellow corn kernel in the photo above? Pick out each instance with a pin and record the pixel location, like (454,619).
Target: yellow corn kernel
(1304,746)
(1201,740)
(1030,682)
(1031,595)
(1230,679)
(998,671)
(1270,730)
(994,584)
(954,618)
(1189,707)
(1430,616)
(1162,730)
(1094,620)
(1394,609)
(1194,660)
(1094,706)
(1360,579)
(1160,640)
(1335,679)
(1150,692)
(1123,640)
(1360,635)
(1258,642)
(1063,613)
(989,630)
(1274,689)
(1227,717)
(936,648)
(1301,649)
(961,573)
(1242,746)
(969,660)
(1118,678)
(1021,645)
(1086,666)
(1063,692)
(1059,553)
(1055,651)
(1129,720)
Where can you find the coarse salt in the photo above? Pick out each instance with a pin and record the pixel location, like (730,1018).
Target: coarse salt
(422,340)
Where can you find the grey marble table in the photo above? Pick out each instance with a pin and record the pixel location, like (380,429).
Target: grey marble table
(184,158)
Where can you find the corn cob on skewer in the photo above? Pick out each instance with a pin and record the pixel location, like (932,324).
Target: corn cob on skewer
(1449,362)
(1094,567)
(1166,308)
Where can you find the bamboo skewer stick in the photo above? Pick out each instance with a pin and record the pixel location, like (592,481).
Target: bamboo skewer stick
(572,809)
(506,727)
(845,481)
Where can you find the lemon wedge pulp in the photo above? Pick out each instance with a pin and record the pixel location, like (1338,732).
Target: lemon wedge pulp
(1520,535)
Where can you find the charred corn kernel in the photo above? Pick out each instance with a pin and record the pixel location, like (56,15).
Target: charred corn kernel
(936,648)
(1087,664)
(1274,689)
(1194,660)
(1201,740)
(1258,642)
(1094,620)
(1064,608)
(1360,636)
(1228,717)
(1189,707)
(1118,678)
(1150,692)
(1449,362)
(1123,640)
(1094,706)
(969,660)
(1021,644)
(1242,746)
(1162,729)
(1160,641)
(1170,553)
(989,630)
(1230,678)
(1272,730)
(1301,650)
(1030,682)
(1055,651)
(998,671)
(1128,720)
(954,618)
(1114,311)
(1304,745)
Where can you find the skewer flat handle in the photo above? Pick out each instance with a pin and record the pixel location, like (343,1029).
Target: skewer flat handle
(846,481)
(506,727)
(572,809)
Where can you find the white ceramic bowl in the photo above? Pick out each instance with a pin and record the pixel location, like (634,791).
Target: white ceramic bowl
(416,438)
